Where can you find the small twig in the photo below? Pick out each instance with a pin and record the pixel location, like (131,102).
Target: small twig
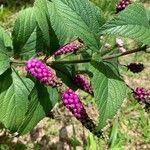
(14,61)
(143,48)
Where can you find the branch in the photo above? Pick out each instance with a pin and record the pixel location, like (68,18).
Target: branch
(143,48)
(51,62)
(70,61)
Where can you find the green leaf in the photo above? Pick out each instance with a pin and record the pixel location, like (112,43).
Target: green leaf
(14,101)
(25,34)
(4,62)
(5,42)
(131,23)
(42,100)
(109,90)
(113,134)
(148,14)
(65,72)
(70,19)
(91,142)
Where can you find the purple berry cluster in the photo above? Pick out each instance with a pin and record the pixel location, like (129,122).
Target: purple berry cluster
(136,67)
(41,72)
(83,83)
(140,94)
(122,5)
(69,48)
(72,102)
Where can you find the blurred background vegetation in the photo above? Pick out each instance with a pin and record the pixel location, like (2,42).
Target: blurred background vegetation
(130,130)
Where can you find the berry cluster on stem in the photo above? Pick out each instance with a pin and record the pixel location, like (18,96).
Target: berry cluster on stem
(69,48)
(72,102)
(42,72)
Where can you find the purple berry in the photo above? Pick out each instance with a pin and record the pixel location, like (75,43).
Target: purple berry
(140,94)
(122,5)
(72,102)
(69,48)
(136,67)
(82,82)
(41,72)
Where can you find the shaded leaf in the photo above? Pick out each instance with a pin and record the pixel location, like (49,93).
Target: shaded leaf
(42,100)
(65,73)
(4,63)
(48,34)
